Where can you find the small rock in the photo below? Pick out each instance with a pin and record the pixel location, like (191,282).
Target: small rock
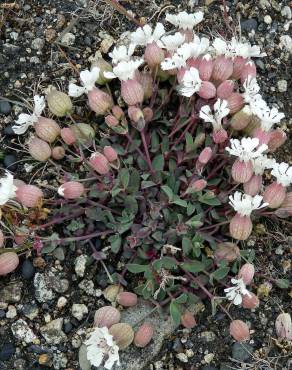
(241,352)
(59,253)
(208,336)
(209,367)
(268,19)
(38,43)
(2,314)
(31,311)
(45,359)
(208,359)
(79,310)
(62,301)
(82,357)
(5,107)
(50,34)
(282,85)
(11,313)
(10,49)
(249,25)
(43,292)
(20,364)
(6,351)
(59,361)
(22,331)
(286,42)
(68,39)
(80,265)
(52,332)
(286,12)
(8,131)
(27,270)
(11,293)
(182,357)
(225,366)
(68,327)
(61,20)
(9,161)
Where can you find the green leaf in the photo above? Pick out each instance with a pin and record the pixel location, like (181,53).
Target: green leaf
(175,312)
(182,298)
(124,176)
(158,162)
(131,204)
(282,283)
(168,192)
(134,182)
(187,245)
(220,273)
(115,243)
(135,268)
(195,221)
(193,266)
(190,146)
(154,141)
(180,202)
(115,191)
(210,199)
(147,184)
(166,262)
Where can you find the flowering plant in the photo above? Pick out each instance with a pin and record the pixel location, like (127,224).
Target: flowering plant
(149,167)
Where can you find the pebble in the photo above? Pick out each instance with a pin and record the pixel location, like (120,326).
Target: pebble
(38,43)
(52,332)
(79,310)
(182,357)
(9,161)
(286,12)
(249,24)
(8,131)
(27,270)
(208,336)
(2,314)
(43,291)
(45,359)
(59,253)
(11,312)
(62,301)
(50,34)
(68,39)
(11,293)
(5,107)
(10,49)
(80,265)
(209,358)
(282,85)
(60,361)
(31,311)
(20,364)
(6,351)
(68,327)
(209,367)
(241,351)
(22,331)
(268,19)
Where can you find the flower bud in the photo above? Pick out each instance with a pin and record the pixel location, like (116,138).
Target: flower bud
(71,190)
(241,171)
(136,115)
(253,185)
(143,335)
(225,89)
(287,203)
(153,55)
(188,320)
(132,92)
(219,136)
(8,262)
(47,129)
(207,90)
(99,101)
(29,195)
(118,112)
(39,149)
(205,155)
(99,163)
(254,123)
(148,114)
(250,301)
(127,299)
(222,68)
(58,152)
(83,132)
(238,64)
(240,227)
(59,103)
(68,136)
(104,66)
(193,62)
(263,136)
(2,239)
(249,69)
(246,273)
(274,195)
(123,334)
(239,331)
(277,138)
(205,67)
(110,153)
(228,252)
(284,326)
(106,316)
(111,120)
(241,119)
(235,102)
(198,185)
(146,82)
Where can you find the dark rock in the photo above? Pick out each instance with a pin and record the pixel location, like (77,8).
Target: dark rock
(38,20)
(11,293)
(11,49)
(241,351)
(5,107)
(38,349)
(225,366)
(2,314)
(68,327)
(209,367)
(9,162)
(8,131)
(249,25)
(7,351)
(259,63)
(87,40)
(27,270)
(177,346)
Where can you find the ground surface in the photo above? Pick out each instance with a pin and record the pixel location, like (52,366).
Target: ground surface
(34,52)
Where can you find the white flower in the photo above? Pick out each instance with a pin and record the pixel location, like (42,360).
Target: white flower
(198,46)
(268,116)
(88,79)
(246,148)
(184,20)
(124,70)
(191,82)
(172,42)
(236,292)
(221,110)
(102,348)
(179,59)
(283,173)
(122,53)
(261,163)
(235,48)
(26,120)
(7,188)
(244,204)
(251,89)
(145,35)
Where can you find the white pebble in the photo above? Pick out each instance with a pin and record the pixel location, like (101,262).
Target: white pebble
(282,85)
(62,301)
(268,19)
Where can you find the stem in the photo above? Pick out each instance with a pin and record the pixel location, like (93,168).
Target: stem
(136,148)
(142,133)
(215,225)
(222,164)
(83,237)
(61,219)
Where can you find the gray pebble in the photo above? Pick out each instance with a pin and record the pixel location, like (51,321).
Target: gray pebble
(5,107)
(249,24)
(241,351)
(38,43)
(282,85)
